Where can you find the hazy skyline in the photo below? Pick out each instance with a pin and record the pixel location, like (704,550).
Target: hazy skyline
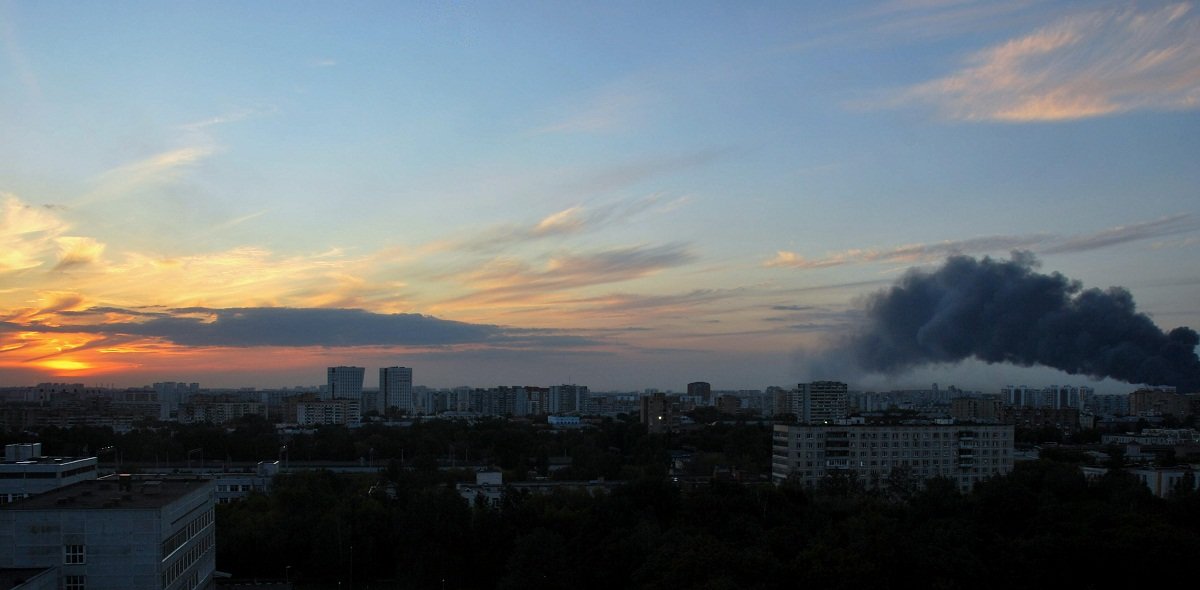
(619,195)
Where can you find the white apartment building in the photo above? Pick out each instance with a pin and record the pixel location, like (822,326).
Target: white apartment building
(964,453)
(335,411)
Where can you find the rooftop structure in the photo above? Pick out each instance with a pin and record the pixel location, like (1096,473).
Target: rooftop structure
(26,472)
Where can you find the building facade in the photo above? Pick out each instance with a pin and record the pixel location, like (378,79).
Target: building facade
(116,534)
(346,412)
(967,454)
(344,383)
(218,409)
(1159,402)
(975,409)
(396,389)
(824,401)
(655,413)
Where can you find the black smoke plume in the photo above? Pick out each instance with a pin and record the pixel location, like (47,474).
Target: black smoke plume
(1002,311)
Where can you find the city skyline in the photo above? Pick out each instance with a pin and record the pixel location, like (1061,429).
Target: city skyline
(623,196)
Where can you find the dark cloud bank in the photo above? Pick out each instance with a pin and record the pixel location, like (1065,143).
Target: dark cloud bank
(285,326)
(1002,311)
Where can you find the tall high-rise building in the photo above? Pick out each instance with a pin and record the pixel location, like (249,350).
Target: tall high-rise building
(656,413)
(814,403)
(824,401)
(566,399)
(344,383)
(701,390)
(396,389)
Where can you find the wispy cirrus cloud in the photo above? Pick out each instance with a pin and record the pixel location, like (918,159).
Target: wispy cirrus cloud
(904,254)
(576,219)
(1084,65)
(1158,228)
(47,305)
(27,233)
(76,251)
(36,236)
(156,170)
(813,318)
(16,55)
(638,170)
(236,221)
(924,19)
(1041,243)
(511,280)
(609,111)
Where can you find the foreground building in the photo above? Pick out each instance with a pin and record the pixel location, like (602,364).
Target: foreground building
(116,534)
(875,454)
(26,472)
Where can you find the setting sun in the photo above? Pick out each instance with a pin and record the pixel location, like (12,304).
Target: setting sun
(66,365)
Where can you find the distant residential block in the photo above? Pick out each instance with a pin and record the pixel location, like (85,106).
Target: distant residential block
(967,454)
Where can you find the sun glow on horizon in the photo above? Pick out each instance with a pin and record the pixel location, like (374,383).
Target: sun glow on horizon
(66,365)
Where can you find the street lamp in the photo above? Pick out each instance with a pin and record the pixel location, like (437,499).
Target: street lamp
(116,453)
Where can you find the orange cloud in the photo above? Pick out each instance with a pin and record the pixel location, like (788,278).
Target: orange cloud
(1087,65)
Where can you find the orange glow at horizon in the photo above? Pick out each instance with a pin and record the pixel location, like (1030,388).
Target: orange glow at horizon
(66,365)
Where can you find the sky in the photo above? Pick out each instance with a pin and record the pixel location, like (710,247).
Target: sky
(619,194)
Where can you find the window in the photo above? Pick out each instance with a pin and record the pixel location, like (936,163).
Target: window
(74,554)
(73,583)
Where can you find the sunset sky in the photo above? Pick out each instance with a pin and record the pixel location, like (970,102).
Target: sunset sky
(622,195)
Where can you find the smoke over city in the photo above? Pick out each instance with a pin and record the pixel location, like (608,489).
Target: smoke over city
(1002,311)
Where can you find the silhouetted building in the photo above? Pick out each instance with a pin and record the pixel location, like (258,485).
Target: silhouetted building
(344,383)
(1159,402)
(1065,420)
(975,409)
(656,413)
(307,411)
(729,404)
(396,389)
(218,409)
(566,399)
(701,391)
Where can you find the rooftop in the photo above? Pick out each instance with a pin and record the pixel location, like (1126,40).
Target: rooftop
(45,460)
(107,494)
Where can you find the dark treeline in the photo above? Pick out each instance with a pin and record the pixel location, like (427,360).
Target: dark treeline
(407,527)
(1041,526)
(618,449)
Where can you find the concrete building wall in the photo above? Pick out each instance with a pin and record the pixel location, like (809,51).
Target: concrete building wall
(116,539)
(965,453)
